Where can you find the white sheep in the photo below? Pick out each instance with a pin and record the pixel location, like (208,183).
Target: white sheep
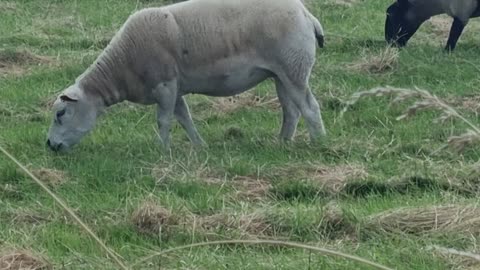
(209,47)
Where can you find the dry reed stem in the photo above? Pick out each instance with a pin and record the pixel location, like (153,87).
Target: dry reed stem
(458,258)
(22,260)
(266,242)
(435,219)
(87,229)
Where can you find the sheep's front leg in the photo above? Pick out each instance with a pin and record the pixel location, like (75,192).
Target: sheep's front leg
(182,114)
(166,95)
(455,32)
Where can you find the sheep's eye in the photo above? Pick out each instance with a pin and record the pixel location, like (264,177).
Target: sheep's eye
(61,113)
(58,115)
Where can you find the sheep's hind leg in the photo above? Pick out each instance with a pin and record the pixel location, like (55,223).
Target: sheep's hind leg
(182,114)
(306,103)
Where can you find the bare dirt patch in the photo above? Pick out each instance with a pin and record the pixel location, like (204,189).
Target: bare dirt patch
(17,62)
(461,219)
(376,62)
(22,260)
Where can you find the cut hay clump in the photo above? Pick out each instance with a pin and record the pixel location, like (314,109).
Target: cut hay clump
(51,177)
(251,188)
(425,101)
(153,219)
(330,179)
(228,105)
(250,225)
(22,260)
(381,62)
(15,62)
(462,219)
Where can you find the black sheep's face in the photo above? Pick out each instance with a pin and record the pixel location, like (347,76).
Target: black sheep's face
(398,27)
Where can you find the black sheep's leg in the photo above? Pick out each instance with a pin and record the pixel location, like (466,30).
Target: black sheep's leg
(455,32)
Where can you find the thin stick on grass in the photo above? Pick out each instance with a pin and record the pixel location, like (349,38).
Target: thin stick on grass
(265,242)
(68,210)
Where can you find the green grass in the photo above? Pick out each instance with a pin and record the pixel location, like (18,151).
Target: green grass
(110,171)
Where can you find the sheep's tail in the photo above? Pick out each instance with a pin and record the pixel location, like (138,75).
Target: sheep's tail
(318,31)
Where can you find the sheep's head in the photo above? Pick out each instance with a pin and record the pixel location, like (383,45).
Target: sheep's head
(73,117)
(400,23)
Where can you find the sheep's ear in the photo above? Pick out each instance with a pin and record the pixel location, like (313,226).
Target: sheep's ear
(66,98)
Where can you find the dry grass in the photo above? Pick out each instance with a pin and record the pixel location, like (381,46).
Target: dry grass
(153,219)
(28,217)
(378,62)
(249,225)
(22,260)
(347,3)
(330,179)
(456,258)
(8,6)
(441,25)
(17,62)
(251,188)
(469,103)
(182,171)
(227,105)
(335,222)
(425,101)
(48,176)
(463,219)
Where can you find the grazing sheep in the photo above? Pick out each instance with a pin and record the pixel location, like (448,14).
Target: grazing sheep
(404,17)
(209,47)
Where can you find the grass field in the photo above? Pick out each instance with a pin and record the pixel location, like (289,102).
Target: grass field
(246,184)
